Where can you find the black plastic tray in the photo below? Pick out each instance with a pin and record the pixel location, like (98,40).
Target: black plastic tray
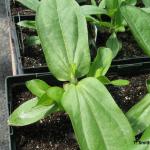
(118,63)
(19,46)
(13,81)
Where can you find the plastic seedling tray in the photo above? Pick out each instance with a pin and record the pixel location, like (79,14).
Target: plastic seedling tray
(20,80)
(19,47)
(13,81)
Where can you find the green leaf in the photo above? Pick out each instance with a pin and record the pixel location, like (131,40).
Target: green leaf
(31,4)
(29,112)
(147,10)
(104,80)
(118,22)
(146,134)
(146,3)
(139,116)
(37,87)
(32,40)
(140,27)
(98,122)
(27,24)
(51,95)
(144,140)
(114,44)
(62,30)
(45,100)
(120,82)
(148,85)
(111,4)
(93,2)
(55,93)
(92,10)
(131,2)
(101,63)
(102,4)
(98,23)
(81,1)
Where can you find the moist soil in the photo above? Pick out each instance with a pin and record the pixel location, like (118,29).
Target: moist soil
(32,56)
(127,96)
(130,48)
(18,9)
(52,133)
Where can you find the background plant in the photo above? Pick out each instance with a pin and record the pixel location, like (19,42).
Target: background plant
(122,13)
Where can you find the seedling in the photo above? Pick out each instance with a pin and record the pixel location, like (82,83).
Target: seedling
(98,122)
(122,14)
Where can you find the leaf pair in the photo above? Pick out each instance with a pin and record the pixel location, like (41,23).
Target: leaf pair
(64,41)
(98,122)
(47,101)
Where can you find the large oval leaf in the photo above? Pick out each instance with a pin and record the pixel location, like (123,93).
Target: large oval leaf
(29,112)
(140,27)
(139,116)
(98,122)
(62,30)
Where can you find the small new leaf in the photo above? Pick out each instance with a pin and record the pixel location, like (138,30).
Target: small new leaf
(27,24)
(32,40)
(101,63)
(55,93)
(120,82)
(114,44)
(37,87)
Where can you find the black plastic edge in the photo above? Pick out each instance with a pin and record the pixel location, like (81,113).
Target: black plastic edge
(12,81)
(19,45)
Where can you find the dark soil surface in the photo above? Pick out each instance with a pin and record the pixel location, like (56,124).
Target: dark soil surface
(130,48)
(52,133)
(32,56)
(129,95)
(18,9)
